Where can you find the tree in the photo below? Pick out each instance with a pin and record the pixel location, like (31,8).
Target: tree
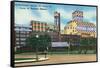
(46,43)
(92,41)
(88,43)
(84,43)
(40,42)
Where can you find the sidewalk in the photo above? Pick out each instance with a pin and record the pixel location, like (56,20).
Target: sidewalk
(32,60)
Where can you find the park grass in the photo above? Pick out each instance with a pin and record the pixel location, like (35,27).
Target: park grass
(58,53)
(27,55)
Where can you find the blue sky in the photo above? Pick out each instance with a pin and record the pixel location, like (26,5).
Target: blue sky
(25,12)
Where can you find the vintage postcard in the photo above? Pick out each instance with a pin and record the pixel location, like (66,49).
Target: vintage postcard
(52,33)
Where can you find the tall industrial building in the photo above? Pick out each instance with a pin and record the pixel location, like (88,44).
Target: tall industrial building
(57,24)
(57,21)
(77,16)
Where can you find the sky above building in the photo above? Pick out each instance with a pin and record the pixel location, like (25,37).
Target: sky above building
(25,12)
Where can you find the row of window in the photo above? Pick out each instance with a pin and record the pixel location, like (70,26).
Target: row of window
(38,30)
(23,28)
(79,15)
(70,27)
(77,12)
(39,26)
(24,32)
(74,30)
(19,35)
(87,28)
(23,39)
(82,28)
(42,23)
(20,42)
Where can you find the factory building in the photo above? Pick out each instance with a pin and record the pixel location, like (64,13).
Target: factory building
(78,27)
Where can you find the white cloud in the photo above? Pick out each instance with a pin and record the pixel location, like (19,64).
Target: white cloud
(90,16)
(45,16)
(65,14)
(22,16)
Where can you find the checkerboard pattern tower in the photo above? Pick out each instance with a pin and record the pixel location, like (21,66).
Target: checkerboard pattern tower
(77,16)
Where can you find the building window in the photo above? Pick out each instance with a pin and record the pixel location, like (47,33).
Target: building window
(17,38)
(22,43)
(23,39)
(70,27)
(67,27)
(41,26)
(73,30)
(38,26)
(17,35)
(17,42)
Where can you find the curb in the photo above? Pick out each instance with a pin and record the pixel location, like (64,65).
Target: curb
(34,60)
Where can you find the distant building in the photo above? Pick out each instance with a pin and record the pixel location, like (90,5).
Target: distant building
(21,33)
(77,26)
(42,28)
(38,26)
(85,29)
(73,40)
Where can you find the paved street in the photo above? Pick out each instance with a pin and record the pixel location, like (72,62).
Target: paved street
(53,59)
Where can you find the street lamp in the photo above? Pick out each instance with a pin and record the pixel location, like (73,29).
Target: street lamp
(37,36)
